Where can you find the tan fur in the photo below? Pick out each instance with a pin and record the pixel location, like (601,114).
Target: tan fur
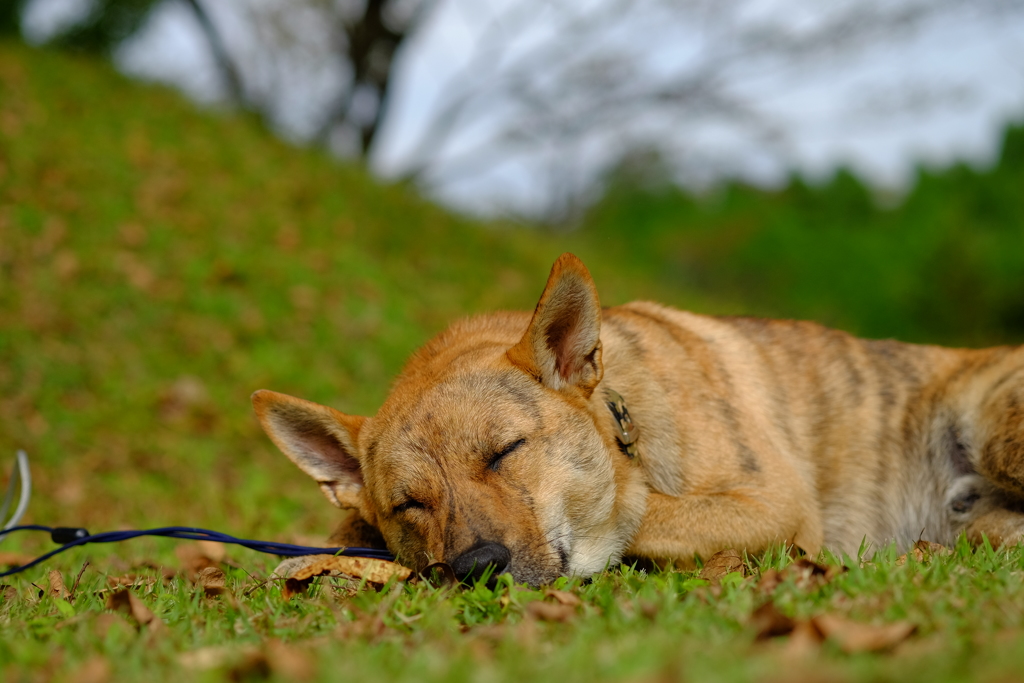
(752,432)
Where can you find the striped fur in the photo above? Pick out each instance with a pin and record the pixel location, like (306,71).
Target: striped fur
(752,432)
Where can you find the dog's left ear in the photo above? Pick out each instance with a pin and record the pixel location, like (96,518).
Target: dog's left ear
(320,440)
(562,346)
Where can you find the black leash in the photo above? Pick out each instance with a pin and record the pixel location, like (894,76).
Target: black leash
(72,537)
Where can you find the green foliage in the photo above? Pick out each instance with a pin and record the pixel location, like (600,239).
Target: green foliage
(107,24)
(10,17)
(944,265)
(631,625)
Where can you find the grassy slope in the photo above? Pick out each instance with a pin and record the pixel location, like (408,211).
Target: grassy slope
(145,242)
(158,264)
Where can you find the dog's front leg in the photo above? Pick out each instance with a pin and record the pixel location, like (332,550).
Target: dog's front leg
(677,528)
(354,532)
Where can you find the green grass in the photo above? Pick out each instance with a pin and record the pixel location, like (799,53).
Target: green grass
(632,625)
(158,264)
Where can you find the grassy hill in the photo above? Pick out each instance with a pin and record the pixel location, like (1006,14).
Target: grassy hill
(159,263)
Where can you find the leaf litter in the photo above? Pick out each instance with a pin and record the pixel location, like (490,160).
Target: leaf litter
(126,603)
(300,572)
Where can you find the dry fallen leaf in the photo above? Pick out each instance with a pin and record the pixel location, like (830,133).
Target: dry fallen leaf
(808,574)
(373,571)
(124,601)
(852,636)
(57,587)
(290,662)
(548,611)
(769,622)
(8,592)
(103,622)
(293,587)
(12,560)
(930,548)
(769,581)
(195,557)
(242,661)
(213,581)
(563,597)
(96,669)
(804,641)
(923,551)
(245,663)
(722,563)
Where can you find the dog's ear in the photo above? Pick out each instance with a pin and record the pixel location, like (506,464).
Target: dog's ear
(562,346)
(320,440)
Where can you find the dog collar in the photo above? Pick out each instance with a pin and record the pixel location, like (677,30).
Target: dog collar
(628,432)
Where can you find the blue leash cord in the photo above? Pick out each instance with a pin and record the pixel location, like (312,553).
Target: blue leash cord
(71,537)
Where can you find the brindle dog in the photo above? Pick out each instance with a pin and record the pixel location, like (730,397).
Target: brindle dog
(555,443)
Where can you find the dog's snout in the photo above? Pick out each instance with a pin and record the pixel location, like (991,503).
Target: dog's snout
(471,565)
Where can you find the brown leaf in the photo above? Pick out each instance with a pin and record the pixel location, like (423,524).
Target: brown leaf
(769,622)
(195,557)
(769,581)
(213,581)
(212,550)
(245,663)
(563,597)
(922,551)
(852,636)
(930,548)
(804,641)
(131,580)
(373,571)
(125,602)
(291,663)
(293,587)
(96,669)
(722,563)
(103,622)
(649,609)
(548,611)
(12,560)
(57,587)
(8,592)
(209,657)
(249,663)
(808,574)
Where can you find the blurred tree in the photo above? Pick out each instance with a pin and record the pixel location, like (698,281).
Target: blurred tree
(106,24)
(358,38)
(10,17)
(571,89)
(566,89)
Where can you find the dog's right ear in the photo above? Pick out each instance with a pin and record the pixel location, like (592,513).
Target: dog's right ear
(562,345)
(320,440)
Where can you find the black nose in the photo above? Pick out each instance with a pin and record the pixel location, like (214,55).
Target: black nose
(472,564)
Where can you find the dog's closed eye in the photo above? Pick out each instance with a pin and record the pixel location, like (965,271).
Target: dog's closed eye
(410,504)
(495,459)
